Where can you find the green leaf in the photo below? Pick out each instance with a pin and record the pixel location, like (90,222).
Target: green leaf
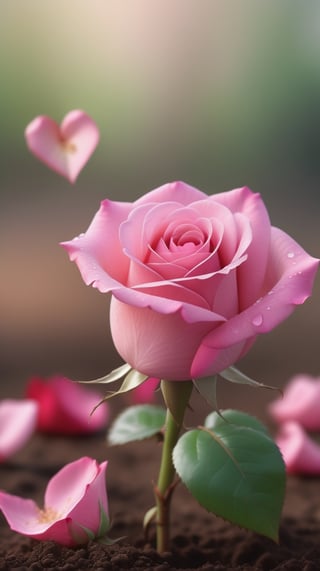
(137,423)
(214,421)
(236,472)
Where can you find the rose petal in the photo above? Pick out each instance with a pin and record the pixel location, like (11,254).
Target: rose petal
(289,286)
(145,393)
(22,515)
(171,356)
(17,423)
(300,453)
(252,276)
(75,499)
(300,403)
(66,148)
(98,253)
(209,360)
(65,407)
(68,486)
(173,191)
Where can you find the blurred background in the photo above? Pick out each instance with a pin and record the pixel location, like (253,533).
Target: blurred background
(218,94)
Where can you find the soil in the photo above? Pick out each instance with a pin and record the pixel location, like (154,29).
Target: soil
(199,539)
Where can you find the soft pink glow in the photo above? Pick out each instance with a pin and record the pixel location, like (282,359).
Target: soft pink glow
(194,278)
(75,501)
(65,148)
(144,393)
(18,420)
(300,403)
(300,453)
(65,407)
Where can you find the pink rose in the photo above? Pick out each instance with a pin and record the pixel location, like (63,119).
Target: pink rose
(194,278)
(75,506)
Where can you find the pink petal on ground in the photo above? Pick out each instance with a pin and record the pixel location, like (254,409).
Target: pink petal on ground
(300,453)
(65,148)
(65,406)
(68,486)
(74,499)
(300,403)
(22,515)
(18,420)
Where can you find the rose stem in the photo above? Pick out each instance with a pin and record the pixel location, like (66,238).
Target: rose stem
(176,395)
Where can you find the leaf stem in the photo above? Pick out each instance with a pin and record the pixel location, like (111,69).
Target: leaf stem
(176,396)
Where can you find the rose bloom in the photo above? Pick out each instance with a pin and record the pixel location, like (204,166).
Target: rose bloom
(194,278)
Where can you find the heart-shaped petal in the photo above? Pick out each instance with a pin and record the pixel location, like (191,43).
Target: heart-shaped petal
(65,148)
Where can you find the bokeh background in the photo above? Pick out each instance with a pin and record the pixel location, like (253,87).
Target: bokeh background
(217,93)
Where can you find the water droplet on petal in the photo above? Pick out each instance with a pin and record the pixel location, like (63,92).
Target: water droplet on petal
(290,254)
(257,320)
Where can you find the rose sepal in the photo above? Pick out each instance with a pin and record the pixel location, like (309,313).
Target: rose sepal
(207,386)
(101,536)
(111,377)
(233,375)
(131,381)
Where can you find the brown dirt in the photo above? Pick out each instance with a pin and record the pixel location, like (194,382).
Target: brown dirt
(199,539)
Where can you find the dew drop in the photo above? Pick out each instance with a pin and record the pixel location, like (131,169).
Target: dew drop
(290,254)
(257,320)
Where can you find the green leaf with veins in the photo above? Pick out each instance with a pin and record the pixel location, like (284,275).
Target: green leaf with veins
(137,423)
(235,470)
